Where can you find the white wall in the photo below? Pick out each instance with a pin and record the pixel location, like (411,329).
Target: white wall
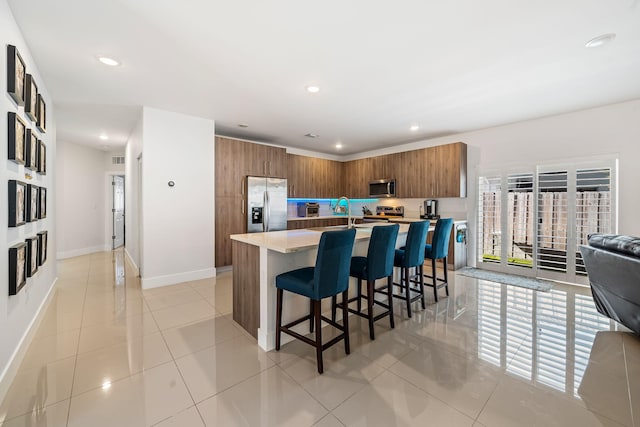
(18,312)
(178,239)
(612,130)
(132,226)
(83,199)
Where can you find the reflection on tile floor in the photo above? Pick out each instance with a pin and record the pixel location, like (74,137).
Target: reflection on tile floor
(108,353)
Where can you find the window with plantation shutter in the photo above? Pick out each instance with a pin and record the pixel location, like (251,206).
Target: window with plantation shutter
(532,223)
(489,219)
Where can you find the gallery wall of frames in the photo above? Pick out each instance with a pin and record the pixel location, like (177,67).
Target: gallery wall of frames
(27,199)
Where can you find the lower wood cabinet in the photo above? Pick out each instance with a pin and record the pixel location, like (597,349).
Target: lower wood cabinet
(312,223)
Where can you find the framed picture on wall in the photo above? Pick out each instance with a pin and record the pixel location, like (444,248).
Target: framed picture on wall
(43,238)
(31,98)
(42,115)
(32,150)
(17,197)
(17,131)
(42,205)
(16,71)
(17,267)
(33,259)
(42,158)
(33,197)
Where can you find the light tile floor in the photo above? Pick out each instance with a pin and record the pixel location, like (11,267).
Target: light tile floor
(109,354)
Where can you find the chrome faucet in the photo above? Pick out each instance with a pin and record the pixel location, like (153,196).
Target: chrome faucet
(340,209)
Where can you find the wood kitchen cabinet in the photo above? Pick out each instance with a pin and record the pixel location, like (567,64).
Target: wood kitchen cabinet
(264,160)
(229,154)
(448,170)
(357,175)
(311,223)
(311,177)
(230,219)
(432,172)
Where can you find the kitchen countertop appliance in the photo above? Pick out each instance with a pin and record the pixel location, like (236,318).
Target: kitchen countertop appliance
(384,214)
(431,209)
(266,204)
(308,209)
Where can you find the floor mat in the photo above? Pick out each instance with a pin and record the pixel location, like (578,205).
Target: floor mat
(507,279)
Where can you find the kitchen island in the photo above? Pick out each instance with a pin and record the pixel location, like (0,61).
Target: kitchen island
(259,257)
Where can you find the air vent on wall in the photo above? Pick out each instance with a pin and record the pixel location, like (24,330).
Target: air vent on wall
(117,160)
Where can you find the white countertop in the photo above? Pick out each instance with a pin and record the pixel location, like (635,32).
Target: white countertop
(287,241)
(400,220)
(305,218)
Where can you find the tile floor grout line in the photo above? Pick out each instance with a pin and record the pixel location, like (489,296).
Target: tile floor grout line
(75,364)
(232,386)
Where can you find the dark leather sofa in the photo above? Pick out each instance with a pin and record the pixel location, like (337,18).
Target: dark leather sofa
(613,264)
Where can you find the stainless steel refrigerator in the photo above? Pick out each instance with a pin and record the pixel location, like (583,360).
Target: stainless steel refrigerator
(266,204)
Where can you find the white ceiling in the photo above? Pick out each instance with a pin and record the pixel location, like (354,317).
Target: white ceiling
(448,66)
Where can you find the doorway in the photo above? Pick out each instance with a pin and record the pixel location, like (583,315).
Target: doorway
(117,185)
(531,221)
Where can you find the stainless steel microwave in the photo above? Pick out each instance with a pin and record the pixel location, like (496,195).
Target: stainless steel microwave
(382,188)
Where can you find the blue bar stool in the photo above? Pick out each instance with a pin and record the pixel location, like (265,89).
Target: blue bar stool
(377,264)
(412,256)
(438,249)
(329,277)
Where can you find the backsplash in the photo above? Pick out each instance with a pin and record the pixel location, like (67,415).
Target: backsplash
(455,208)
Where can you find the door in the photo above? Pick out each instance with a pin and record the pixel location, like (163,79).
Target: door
(277,204)
(573,202)
(532,222)
(117,185)
(256,199)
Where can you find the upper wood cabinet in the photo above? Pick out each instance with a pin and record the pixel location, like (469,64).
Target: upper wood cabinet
(264,160)
(357,175)
(439,171)
(311,177)
(229,164)
(449,170)
(236,159)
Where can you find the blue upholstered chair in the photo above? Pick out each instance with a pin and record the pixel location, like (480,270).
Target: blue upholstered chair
(329,277)
(377,264)
(412,256)
(438,249)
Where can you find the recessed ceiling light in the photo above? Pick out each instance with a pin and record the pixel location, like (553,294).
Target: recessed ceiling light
(600,40)
(414,128)
(104,137)
(108,61)
(311,135)
(313,89)
(243,125)
(338,146)
(106,385)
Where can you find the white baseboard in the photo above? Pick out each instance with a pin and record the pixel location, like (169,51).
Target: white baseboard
(172,279)
(130,258)
(80,252)
(7,376)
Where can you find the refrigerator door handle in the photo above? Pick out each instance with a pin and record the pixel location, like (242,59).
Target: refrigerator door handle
(264,211)
(267,208)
